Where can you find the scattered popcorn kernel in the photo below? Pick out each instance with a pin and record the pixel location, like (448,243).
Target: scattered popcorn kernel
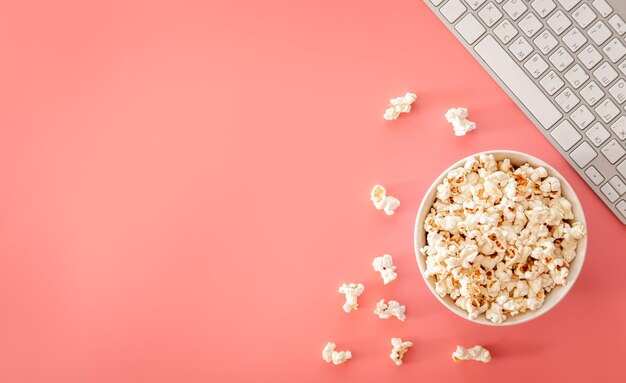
(384,265)
(382,201)
(351,291)
(399,349)
(458,118)
(330,355)
(499,238)
(387,310)
(399,105)
(478,353)
(391,204)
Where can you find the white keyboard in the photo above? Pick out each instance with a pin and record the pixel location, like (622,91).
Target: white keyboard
(564,63)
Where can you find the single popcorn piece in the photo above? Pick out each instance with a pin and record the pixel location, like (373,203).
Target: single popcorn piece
(337,357)
(499,238)
(458,118)
(384,265)
(399,105)
(399,349)
(577,230)
(387,310)
(477,353)
(382,201)
(351,291)
(494,314)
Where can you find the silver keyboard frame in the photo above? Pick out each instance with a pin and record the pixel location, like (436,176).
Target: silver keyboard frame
(600,161)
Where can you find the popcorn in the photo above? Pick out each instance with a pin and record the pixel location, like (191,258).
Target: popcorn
(487,162)
(495,314)
(330,355)
(499,238)
(577,230)
(477,353)
(458,118)
(550,186)
(351,291)
(387,310)
(469,304)
(399,349)
(569,243)
(399,105)
(382,201)
(384,265)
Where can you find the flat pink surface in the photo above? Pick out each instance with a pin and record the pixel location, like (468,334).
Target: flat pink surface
(184,185)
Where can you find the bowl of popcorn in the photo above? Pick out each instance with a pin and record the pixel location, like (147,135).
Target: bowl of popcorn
(500,237)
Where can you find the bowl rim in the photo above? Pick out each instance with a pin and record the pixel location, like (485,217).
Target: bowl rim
(579,216)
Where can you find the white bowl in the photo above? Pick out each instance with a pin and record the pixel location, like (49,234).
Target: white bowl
(554,296)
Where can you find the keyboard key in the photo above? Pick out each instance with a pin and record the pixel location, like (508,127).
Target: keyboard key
(490,14)
(452,10)
(594,175)
(576,76)
(567,100)
(613,151)
(609,192)
(574,39)
(537,65)
(470,28)
(622,67)
(598,134)
(505,31)
(621,206)
(605,73)
(582,117)
(607,110)
(619,128)
(436,2)
(551,82)
(584,15)
(599,32)
(621,168)
(565,135)
(530,24)
(568,4)
(592,93)
(618,185)
(521,48)
(558,22)
(545,42)
(603,7)
(614,50)
(561,59)
(590,56)
(474,4)
(618,91)
(618,24)
(515,8)
(583,154)
(543,7)
(518,82)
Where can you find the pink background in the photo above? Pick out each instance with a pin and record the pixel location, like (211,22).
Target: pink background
(184,185)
